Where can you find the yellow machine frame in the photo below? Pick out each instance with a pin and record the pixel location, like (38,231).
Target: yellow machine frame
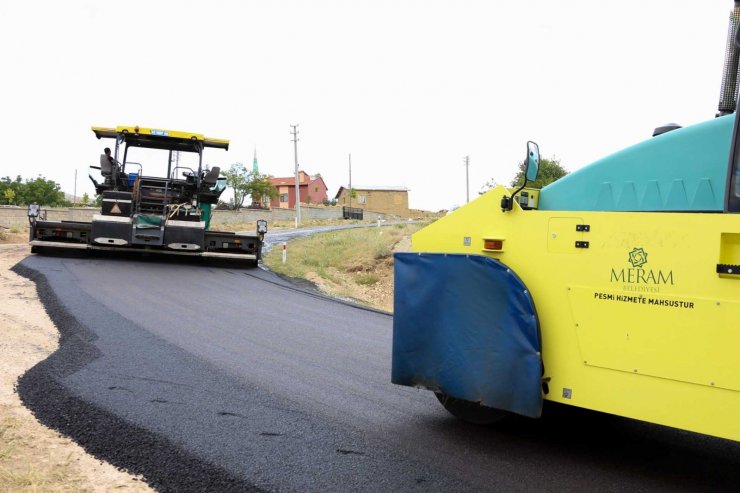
(634,318)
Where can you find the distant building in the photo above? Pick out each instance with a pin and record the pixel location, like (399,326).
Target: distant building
(312,190)
(388,200)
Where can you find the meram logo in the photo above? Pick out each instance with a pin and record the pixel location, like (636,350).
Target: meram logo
(637,258)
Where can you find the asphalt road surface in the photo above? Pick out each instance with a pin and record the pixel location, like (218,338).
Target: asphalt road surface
(208,378)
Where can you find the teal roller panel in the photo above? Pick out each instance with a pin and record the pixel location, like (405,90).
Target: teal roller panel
(681,170)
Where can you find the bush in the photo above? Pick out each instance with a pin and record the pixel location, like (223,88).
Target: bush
(382,247)
(367,279)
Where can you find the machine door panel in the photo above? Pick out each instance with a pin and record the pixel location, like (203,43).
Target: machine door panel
(657,297)
(688,339)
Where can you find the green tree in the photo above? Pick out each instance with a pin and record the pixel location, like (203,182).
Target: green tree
(352,194)
(85,199)
(550,170)
(245,183)
(260,188)
(15,186)
(237,177)
(38,190)
(41,191)
(9,196)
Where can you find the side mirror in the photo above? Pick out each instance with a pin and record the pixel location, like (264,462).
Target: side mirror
(261,226)
(533,161)
(531,170)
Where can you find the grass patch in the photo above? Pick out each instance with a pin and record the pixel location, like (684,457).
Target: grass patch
(275,225)
(6,438)
(383,245)
(351,260)
(367,279)
(23,469)
(347,250)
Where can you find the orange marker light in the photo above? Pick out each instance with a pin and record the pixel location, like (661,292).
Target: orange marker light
(493,244)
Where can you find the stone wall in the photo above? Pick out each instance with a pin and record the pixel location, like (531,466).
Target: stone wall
(17,216)
(12,216)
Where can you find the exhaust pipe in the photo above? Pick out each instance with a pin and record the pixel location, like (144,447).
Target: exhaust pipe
(729,92)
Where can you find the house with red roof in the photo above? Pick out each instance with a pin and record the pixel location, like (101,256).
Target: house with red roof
(312,190)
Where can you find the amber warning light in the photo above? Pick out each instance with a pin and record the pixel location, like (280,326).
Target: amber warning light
(496,245)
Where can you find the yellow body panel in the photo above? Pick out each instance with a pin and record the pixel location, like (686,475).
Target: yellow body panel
(109,132)
(635,321)
(175,134)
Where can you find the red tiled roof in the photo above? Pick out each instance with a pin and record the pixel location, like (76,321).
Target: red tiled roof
(305,178)
(282,181)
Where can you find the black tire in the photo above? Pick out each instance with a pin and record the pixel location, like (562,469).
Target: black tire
(471,412)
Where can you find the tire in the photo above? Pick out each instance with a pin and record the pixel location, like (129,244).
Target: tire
(471,412)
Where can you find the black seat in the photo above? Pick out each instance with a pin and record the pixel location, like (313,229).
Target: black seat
(109,169)
(212,176)
(106,168)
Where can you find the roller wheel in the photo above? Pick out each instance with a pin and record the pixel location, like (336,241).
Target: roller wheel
(471,412)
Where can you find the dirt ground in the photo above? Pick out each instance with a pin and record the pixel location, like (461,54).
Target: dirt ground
(378,294)
(33,457)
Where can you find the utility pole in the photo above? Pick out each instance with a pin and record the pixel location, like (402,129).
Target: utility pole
(297,182)
(349,192)
(467,179)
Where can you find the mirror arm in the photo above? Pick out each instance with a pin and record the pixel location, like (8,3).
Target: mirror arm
(507,203)
(519,190)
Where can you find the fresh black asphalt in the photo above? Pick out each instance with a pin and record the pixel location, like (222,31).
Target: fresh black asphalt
(207,378)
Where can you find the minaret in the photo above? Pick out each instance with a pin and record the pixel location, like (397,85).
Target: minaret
(255,166)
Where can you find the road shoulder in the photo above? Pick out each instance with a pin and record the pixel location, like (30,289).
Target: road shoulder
(32,456)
